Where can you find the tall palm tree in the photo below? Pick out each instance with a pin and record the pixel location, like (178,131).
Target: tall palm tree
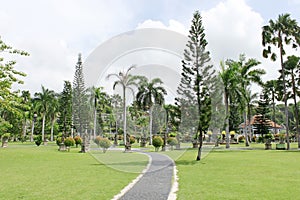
(127,81)
(291,66)
(283,31)
(150,93)
(270,87)
(43,100)
(248,75)
(230,82)
(53,113)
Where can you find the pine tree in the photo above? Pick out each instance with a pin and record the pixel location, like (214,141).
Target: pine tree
(197,75)
(262,122)
(65,108)
(80,100)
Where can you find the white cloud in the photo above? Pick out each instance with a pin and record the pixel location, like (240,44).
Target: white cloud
(173,25)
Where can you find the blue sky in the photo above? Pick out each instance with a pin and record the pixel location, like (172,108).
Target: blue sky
(55,31)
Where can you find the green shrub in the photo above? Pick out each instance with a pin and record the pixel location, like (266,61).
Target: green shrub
(78,140)
(58,140)
(5,136)
(132,139)
(104,143)
(69,141)
(38,140)
(157,142)
(97,140)
(172,142)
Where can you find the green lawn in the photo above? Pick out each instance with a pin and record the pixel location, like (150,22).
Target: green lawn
(240,174)
(31,172)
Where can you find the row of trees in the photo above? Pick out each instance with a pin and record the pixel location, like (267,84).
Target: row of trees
(206,99)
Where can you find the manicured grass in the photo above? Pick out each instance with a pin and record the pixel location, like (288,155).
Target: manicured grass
(240,174)
(31,172)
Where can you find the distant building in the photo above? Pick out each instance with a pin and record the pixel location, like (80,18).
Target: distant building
(274,128)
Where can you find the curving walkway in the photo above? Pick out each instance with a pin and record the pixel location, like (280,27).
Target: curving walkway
(155,183)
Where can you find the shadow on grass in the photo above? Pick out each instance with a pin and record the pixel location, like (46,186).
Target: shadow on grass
(186,162)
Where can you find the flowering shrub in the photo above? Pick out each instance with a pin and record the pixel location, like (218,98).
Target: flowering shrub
(132,139)
(78,140)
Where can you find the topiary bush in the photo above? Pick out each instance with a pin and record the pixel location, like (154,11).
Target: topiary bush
(69,141)
(78,140)
(104,143)
(172,142)
(38,140)
(157,142)
(58,140)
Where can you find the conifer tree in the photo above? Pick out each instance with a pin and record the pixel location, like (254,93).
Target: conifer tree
(80,108)
(196,78)
(65,108)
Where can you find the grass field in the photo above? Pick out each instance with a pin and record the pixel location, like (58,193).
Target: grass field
(240,174)
(31,172)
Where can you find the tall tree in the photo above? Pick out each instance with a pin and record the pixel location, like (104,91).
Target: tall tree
(80,100)
(248,75)
(196,76)
(127,81)
(43,100)
(9,100)
(65,109)
(230,83)
(150,93)
(292,65)
(283,31)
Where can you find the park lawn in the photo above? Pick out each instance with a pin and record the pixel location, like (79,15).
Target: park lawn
(31,172)
(239,174)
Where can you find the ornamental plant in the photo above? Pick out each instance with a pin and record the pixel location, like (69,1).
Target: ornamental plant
(172,142)
(104,143)
(132,139)
(69,141)
(157,142)
(78,140)
(38,140)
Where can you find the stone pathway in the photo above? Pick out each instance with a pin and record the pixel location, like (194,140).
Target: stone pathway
(156,183)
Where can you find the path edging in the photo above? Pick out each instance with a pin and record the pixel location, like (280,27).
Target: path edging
(130,185)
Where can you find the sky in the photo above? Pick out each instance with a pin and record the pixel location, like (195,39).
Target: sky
(54,32)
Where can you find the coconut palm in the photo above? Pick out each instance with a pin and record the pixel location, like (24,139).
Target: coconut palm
(127,82)
(283,31)
(150,93)
(53,113)
(291,66)
(43,100)
(230,83)
(248,75)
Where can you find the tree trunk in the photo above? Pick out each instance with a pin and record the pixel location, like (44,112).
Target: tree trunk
(246,130)
(296,108)
(32,131)
(150,125)
(95,122)
(52,127)
(124,118)
(285,94)
(200,146)
(227,119)
(43,127)
(24,128)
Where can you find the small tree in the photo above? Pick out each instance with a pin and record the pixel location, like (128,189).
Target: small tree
(38,140)
(104,143)
(172,141)
(69,141)
(78,140)
(157,142)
